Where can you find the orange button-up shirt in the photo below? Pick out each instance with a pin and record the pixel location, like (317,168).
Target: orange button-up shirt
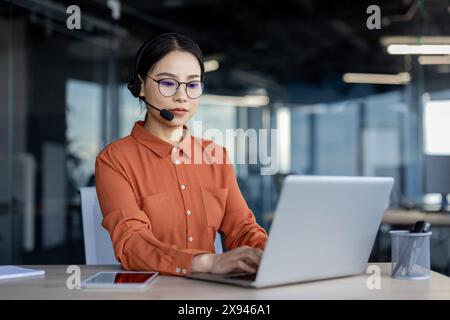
(162,206)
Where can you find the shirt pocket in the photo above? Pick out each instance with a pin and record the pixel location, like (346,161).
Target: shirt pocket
(214,200)
(159,208)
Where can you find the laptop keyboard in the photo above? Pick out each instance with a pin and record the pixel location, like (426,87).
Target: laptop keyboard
(248,277)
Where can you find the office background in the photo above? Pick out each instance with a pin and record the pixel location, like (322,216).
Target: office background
(63,97)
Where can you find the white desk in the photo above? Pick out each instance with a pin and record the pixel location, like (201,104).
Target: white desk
(398,217)
(405,217)
(53,286)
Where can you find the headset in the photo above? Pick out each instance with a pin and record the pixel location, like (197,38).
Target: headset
(135,83)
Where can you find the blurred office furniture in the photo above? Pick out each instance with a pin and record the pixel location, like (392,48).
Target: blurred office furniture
(402,217)
(54,194)
(18,229)
(98,247)
(25,178)
(440,240)
(74,228)
(179,288)
(436,153)
(437,178)
(252,190)
(408,217)
(376,139)
(97,242)
(398,173)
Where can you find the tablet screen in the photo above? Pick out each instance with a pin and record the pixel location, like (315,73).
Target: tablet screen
(110,278)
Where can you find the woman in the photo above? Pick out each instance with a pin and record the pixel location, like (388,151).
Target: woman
(162,209)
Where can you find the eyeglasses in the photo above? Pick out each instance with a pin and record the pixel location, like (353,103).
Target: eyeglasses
(168,87)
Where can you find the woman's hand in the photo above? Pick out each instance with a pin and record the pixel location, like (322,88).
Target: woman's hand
(242,259)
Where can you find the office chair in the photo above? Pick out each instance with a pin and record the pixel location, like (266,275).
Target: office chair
(98,247)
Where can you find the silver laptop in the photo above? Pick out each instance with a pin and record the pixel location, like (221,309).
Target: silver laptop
(323,227)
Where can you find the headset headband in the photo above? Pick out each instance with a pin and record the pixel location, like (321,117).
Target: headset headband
(135,84)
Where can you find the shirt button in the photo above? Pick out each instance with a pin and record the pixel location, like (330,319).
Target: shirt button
(184,271)
(188,212)
(177,161)
(183,187)
(190,239)
(178,270)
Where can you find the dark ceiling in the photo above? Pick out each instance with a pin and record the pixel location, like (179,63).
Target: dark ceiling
(277,42)
(300,39)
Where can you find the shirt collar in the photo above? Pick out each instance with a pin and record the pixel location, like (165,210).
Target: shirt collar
(159,146)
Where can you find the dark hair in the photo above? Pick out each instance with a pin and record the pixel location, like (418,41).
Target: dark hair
(155,49)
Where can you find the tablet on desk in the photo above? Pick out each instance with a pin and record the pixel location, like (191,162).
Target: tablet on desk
(119,280)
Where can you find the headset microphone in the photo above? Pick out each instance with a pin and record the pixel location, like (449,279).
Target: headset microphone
(166,114)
